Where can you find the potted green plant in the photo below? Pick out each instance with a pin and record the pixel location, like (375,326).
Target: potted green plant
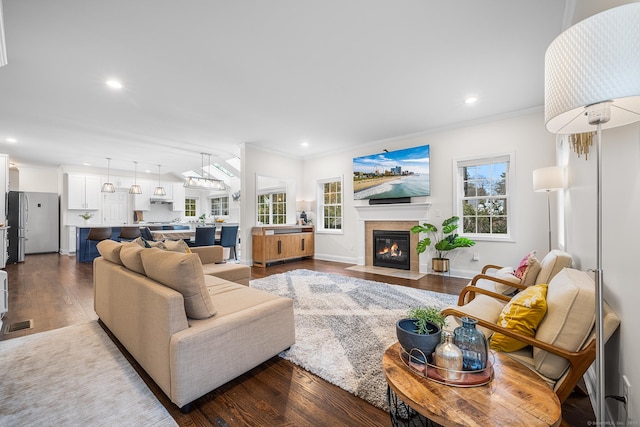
(86,217)
(420,332)
(444,241)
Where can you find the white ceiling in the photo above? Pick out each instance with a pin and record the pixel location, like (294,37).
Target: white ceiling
(209,75)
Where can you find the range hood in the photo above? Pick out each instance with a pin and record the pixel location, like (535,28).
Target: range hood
(161,202)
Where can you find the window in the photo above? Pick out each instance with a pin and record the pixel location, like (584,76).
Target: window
(483,198)
(330,205)
(190,207)
(272,208)
(220,206)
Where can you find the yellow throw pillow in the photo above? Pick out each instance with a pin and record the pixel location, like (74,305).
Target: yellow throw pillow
(176,246)
(522,314)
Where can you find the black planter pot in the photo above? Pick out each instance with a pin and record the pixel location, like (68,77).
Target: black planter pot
(409,339)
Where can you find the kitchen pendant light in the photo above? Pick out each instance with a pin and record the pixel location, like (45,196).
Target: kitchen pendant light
(202,182)
(108,187)
(159,191)
(135,188)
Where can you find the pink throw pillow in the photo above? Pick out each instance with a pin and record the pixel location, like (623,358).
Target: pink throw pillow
(524,264)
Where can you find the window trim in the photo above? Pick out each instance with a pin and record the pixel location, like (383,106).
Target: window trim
(459,163)
(271,192)
(195,199)
(219,196)
(320,206)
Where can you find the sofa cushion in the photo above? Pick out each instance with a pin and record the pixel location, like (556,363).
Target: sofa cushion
(238,273)
(130,256)
(522,314)
(183,273)
(110,250)
(569,320)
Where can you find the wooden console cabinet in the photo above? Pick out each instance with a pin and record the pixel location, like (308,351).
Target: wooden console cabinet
(280,243)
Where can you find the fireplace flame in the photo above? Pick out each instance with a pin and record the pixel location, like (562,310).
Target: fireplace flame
(391,251)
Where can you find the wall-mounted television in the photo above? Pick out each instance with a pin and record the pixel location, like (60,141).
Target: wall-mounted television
(392,174)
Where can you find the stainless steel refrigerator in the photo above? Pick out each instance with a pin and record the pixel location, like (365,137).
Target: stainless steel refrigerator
(33,220)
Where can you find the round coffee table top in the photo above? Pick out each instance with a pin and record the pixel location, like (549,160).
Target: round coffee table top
(516,396)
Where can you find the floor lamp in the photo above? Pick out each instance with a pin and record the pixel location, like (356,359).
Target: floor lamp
(592,81)
(548,179)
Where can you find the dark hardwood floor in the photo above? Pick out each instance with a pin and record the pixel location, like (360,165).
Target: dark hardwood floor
(55,291)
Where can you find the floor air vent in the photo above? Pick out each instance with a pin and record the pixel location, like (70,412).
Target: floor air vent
(19,326)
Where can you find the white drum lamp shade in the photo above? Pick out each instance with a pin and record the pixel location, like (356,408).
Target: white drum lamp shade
(548,179)
(592,82)
(596,60)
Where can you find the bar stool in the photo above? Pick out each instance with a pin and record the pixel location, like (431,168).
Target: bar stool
(97,234)
(128,234)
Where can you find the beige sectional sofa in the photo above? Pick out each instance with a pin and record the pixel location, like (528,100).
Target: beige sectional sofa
(190,331)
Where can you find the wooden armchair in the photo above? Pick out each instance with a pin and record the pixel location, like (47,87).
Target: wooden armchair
(497,279)
(563,347)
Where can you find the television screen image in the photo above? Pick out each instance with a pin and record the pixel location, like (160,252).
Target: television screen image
(393,174)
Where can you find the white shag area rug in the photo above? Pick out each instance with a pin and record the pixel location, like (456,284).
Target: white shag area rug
(73,376)
(344,325)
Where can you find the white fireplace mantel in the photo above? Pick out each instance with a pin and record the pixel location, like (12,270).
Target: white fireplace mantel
(391,212)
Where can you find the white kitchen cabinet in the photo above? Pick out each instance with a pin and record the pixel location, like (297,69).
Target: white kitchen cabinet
(178,197)
(83,192)
(142,202)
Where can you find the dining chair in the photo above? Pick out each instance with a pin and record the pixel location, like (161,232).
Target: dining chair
(205,236)
(228,238)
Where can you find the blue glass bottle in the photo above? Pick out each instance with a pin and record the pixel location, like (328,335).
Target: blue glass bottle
(472,343)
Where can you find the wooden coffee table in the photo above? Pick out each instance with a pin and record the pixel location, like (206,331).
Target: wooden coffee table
(515,397)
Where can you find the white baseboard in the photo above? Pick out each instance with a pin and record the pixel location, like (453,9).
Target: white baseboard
(590,381)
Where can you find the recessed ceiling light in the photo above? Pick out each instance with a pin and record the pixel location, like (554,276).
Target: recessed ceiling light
(86,164)
(114,84)
(305,144)
(11,140)
(470,100)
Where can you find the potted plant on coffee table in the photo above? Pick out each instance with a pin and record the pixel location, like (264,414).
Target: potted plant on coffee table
(420,330)
(444,241)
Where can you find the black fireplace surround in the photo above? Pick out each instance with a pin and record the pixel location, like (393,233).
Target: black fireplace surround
(392,249)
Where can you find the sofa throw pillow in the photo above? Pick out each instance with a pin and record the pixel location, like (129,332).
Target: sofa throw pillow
(522,314)
(181,272)
(177,246)
(110,250)
(130,255)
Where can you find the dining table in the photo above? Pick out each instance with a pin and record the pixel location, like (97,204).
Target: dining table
(173,234)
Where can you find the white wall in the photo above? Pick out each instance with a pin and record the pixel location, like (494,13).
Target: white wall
(257,161)
(39,179)
(524,135)
(620,207)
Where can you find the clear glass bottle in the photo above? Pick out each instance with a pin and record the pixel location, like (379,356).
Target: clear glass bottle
(473,344)
(449,357)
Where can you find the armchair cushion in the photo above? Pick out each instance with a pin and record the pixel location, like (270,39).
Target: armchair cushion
(505,273)
(528,269)
(522,314)
(552,264)
(569,320)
